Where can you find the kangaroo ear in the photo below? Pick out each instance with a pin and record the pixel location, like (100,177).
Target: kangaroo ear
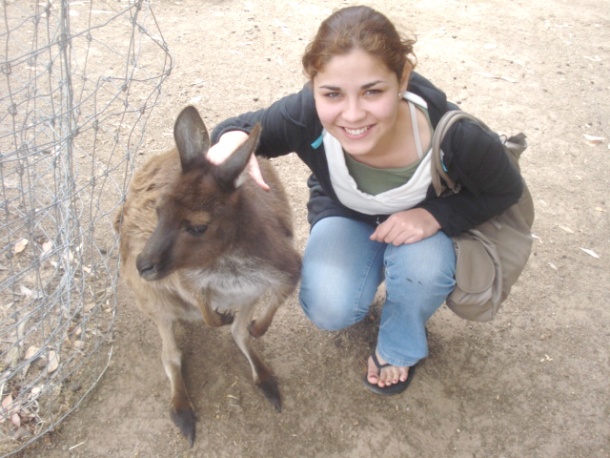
(229,173)
(191,137)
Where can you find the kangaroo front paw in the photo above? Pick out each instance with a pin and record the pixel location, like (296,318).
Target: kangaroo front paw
(226,318)
(255,329)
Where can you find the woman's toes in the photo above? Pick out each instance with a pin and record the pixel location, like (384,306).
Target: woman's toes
(385,378)
(373,372)
(388,375)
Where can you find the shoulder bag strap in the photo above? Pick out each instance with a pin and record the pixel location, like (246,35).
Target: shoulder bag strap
(438,171)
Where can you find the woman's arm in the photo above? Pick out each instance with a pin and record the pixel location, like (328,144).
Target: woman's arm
(490,182)
(285,124)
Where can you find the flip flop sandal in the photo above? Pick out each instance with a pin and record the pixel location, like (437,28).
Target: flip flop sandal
(391,390)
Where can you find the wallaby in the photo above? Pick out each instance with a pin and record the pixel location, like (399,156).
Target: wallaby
(203,241)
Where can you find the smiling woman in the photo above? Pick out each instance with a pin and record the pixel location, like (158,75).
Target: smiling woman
(356,99)
(363,125)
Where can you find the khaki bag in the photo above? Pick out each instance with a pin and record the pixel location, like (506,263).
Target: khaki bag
(490,257)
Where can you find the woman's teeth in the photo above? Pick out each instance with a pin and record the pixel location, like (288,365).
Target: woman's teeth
(356,131)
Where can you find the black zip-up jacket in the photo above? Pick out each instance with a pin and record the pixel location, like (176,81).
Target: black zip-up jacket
(474,157)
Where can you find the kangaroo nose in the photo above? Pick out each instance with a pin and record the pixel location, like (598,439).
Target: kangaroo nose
(146,268)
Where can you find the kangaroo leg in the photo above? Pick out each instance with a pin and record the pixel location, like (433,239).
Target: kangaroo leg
(262,375)
(259,326)
(182,412)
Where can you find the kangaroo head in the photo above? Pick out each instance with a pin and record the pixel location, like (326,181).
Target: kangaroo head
(198,216)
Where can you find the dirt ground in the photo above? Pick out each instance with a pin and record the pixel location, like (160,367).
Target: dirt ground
(533,383)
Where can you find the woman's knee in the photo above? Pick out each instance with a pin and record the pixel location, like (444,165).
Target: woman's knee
(327,311)
(342,269)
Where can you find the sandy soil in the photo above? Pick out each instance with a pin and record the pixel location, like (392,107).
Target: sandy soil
(534,382)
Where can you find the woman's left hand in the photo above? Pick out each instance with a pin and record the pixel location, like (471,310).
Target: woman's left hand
(408,226)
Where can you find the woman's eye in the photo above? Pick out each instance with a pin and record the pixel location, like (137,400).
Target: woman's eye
(332,95)
(196,230)
(373,92)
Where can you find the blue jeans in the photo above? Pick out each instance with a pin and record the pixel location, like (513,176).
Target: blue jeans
(342,269)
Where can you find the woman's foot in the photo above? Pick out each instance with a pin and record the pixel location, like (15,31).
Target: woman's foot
(383,374)
(384,379)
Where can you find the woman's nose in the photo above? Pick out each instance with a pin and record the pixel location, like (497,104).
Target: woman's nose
(353,111)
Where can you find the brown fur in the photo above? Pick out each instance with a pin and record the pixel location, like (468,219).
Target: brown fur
(197,244)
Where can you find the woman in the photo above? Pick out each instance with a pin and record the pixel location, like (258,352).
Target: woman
(363,125)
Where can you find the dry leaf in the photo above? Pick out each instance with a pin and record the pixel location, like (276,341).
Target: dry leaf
(25,291)
(7,408)
(7,402)
(26,413)
(36,391)
(46,247)
(34,294)
(31,352)
(593,140)
(566,229)
(53,363)
(20,246)
(590,253)
(11,357)
(16,419)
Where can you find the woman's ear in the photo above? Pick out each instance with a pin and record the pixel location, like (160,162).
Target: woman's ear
(406,74)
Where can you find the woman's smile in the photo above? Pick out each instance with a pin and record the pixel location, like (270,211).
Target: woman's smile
(359,132)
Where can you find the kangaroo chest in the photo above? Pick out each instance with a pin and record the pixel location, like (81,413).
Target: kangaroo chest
(232,283)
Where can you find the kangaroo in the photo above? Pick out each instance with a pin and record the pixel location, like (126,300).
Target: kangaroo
(200,241)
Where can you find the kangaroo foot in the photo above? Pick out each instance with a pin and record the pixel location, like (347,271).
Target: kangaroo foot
(185,419)
(271,391)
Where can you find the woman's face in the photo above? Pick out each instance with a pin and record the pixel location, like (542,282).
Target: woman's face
(357,101)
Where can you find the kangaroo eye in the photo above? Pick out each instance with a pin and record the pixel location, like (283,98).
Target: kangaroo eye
(196,230)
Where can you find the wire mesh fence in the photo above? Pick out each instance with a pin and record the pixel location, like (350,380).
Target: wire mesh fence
(78,80)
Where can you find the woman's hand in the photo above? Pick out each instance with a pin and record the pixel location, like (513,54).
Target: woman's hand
(408,226)
(227,145)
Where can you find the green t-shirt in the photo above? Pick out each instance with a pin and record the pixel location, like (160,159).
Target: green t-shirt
(375,181)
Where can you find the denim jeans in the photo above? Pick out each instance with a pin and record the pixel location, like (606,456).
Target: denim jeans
(342,269)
